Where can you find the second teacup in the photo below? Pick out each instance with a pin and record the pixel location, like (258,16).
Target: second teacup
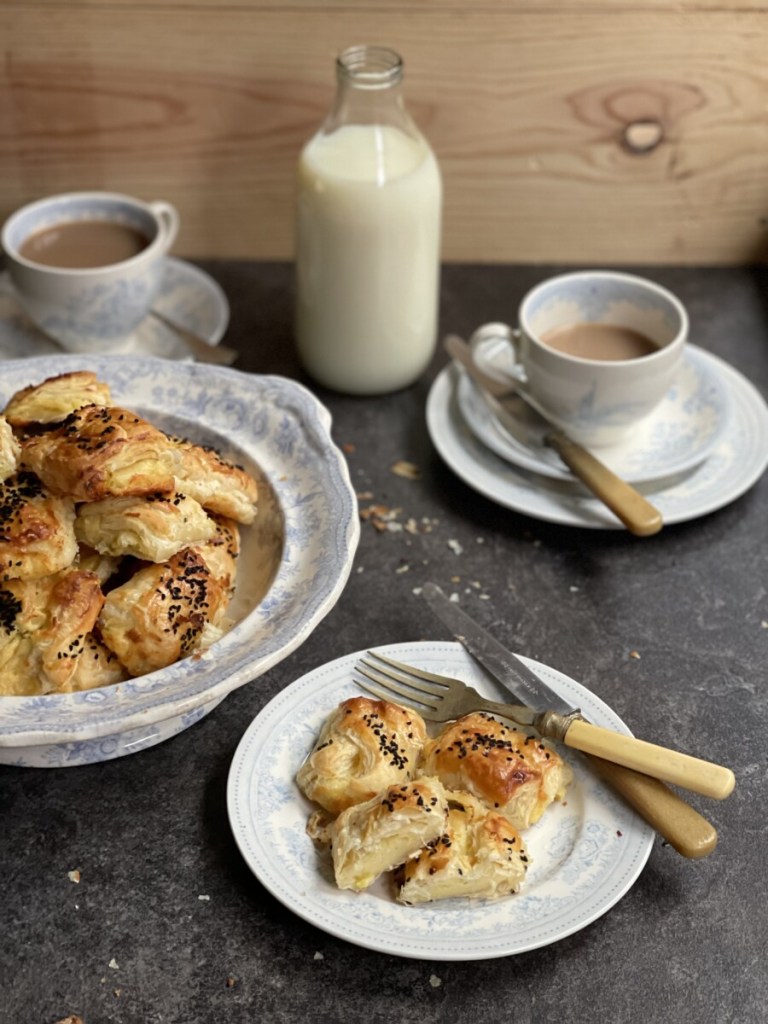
(597,350)
(86,266)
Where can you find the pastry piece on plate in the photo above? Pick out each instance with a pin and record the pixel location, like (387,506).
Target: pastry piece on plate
(98,452)
(364,746)
(162,613)
(152,527)
(221,551)
(479,855)
(10,450)
(220,486)
(55,398)
(46,635)
(511,770)
(37,531)
(385,831)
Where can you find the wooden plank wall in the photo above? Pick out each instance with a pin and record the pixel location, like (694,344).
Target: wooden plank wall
(529,105)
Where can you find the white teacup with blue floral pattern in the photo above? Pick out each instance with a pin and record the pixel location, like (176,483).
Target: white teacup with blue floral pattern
(93,309)
(597,401)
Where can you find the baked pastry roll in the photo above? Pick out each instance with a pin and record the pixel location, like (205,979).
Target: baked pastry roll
(510,770)
(45,635)
(385,831)
(152,528)
(479,855)
(55,398)
(220,486)
(98,452)
(37,531)
(160,614)
(221,552)
(10,450)
(364,746)
(104,566)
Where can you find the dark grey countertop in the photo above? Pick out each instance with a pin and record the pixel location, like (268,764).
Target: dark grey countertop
(150,833)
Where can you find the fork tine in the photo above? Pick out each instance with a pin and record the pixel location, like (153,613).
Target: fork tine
(412,695)
(405,676)
(412,671)
(385,694)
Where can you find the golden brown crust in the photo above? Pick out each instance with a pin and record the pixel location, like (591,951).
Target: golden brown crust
(10,450)
(37,533)
(160,614)
(221,552)
(479,855)
(54,399)
(385,831)
(364,746)
(152,528)
(219,485)
(511,771)
(98,452)
(45,630)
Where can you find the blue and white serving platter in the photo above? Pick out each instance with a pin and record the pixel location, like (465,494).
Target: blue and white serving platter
(188,296)
(733,465)
(679,434)
(294,562)
(586,852)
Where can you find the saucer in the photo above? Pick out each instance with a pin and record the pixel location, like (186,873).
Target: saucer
(679,434)
(734,465)
(187,295)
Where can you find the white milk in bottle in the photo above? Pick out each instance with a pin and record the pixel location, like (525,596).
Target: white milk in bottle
(368,236)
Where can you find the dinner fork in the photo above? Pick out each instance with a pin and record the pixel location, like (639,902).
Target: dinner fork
(440,698)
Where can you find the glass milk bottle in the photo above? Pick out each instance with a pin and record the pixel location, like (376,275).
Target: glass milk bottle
(368,235)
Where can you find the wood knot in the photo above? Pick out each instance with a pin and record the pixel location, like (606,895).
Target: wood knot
(642,136)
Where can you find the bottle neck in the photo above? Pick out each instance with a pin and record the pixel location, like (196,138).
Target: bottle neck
(369,90)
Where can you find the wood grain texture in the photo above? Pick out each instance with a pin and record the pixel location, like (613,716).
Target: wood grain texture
(532,112)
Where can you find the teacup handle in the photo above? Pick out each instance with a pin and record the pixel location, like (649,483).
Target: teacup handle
(168,218)
(497,332)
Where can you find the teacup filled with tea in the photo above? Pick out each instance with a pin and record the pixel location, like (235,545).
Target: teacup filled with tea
(597,350)
(86,266)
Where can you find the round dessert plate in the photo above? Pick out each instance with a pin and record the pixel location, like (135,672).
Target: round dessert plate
(734,465)
(586,852)
(188,296)
(677,435)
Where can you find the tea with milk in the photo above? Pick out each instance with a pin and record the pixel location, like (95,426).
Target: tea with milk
(599,341)
(83,244)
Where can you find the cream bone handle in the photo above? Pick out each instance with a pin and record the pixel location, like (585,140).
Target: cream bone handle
(666,812)
(668,765)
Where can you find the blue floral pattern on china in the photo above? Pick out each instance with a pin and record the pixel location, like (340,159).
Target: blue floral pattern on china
(585,852)
(280,430)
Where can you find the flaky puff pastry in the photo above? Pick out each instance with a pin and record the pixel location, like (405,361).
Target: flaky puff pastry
(220,486)
(37,528)
(10,450)
(511,771)
(55,398)
(98,452)
(152,527)
(221,552)
(479,855)
(385,831)
(364,746)
(50,646)
(162,613)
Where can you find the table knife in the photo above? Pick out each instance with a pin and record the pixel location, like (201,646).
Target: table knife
(627,504)
(673,818)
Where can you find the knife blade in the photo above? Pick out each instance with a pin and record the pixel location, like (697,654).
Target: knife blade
(680,824)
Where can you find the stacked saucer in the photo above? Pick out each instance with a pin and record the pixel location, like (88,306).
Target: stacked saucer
(701,448)
(188,296)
